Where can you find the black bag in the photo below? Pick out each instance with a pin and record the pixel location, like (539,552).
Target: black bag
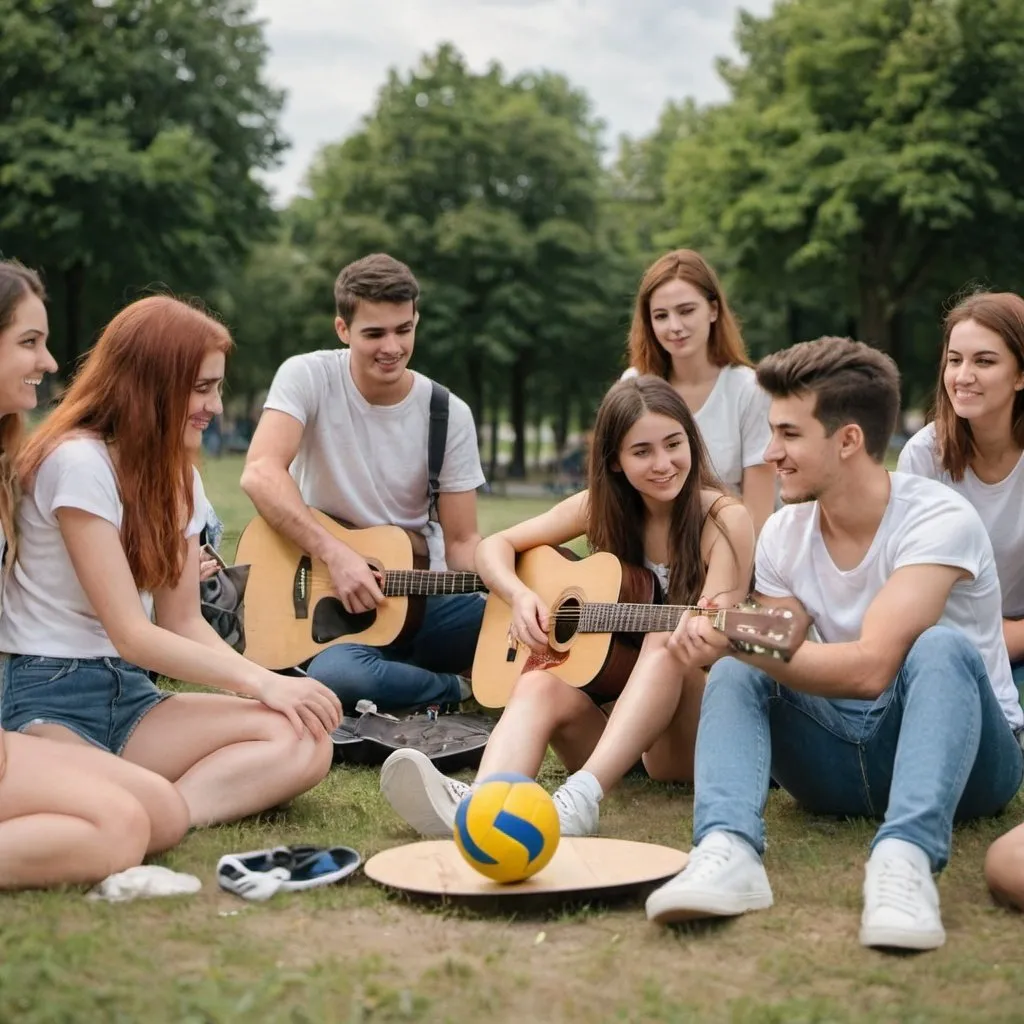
(451,741)
(221,600)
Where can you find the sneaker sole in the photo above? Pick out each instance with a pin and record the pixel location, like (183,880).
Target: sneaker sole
(410,785)
(666,908)
(901,938)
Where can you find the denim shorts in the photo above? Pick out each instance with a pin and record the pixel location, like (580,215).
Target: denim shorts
(101,700)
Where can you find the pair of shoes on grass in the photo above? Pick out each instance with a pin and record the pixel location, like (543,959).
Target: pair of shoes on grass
(725,877)
(259,874)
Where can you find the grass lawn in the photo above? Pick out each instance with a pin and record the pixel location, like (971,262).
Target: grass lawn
(356,954)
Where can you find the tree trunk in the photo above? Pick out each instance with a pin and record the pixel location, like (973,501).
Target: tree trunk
(562,420)
(492,469)
(517,412)
(476,398)
(74,286)
(874,324)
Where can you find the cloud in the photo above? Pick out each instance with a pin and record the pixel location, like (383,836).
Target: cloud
(630,56)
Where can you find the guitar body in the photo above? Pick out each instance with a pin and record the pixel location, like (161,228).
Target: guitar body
(291,609)
(600,663)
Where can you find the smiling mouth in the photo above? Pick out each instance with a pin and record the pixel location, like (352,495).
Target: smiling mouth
(34,381)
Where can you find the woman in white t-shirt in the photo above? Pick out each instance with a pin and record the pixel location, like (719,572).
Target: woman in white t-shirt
(68,815)
(975,444)
(683,330)
(108,533)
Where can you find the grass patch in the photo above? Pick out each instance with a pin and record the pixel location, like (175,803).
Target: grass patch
(357,954)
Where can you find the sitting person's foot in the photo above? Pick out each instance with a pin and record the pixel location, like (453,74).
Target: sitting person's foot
(723,877)
(577,804)
(419,794)
(901,902)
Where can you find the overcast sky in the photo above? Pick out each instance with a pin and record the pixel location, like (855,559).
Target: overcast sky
(630,56)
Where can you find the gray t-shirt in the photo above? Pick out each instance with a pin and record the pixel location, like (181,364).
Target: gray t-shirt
(367,464)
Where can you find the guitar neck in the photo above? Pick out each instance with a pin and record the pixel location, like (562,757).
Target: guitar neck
(600,617)
(427,583)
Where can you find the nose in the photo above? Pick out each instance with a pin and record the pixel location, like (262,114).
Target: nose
(675,323)
(773,453)
(47,364)
(214,404)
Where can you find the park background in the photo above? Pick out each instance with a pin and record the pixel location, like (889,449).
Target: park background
(861,170)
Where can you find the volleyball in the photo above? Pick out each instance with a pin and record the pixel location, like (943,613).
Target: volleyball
(507,827)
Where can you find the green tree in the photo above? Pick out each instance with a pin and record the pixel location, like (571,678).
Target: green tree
(489,188)
(868,159)
(129,131)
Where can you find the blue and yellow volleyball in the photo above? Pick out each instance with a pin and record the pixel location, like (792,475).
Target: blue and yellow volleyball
(507,827)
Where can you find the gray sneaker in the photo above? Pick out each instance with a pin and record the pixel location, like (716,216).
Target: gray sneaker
(419,794)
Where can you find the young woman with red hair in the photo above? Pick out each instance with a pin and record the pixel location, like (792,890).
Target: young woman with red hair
(68,814)
(108,528)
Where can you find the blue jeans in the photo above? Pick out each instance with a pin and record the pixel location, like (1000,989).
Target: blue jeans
(420,672)
(934,746)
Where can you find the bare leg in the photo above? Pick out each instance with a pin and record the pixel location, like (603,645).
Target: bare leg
(62,818)
(656,716)
(542,710)
(1004,867)
(228,757)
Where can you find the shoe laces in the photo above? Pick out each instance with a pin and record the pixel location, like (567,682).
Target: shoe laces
(707,860)
(456,789)
(565,803)
(898,885)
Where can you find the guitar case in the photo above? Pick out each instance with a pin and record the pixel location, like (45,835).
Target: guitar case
(451,741)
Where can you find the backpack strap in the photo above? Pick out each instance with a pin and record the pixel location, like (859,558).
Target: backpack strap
(437,439)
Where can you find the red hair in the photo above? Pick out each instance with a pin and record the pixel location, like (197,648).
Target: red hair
(725,343)
(132,391)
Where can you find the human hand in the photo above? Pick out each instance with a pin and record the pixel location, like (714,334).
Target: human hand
(695,642)
(530,620)
(354,581)
(305,702)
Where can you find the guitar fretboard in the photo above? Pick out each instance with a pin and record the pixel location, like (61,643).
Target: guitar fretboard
(425,583)
(599,617)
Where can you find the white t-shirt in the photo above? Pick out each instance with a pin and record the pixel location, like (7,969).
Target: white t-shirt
(46,611)
(925,523)
(733,421)
(367,464)
(1000,505)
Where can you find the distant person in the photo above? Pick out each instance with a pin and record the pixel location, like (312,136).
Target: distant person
(906,712)
(345,431)
(106,583)
(683,330)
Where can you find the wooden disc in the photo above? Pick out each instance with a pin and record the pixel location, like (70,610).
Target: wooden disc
(579,867)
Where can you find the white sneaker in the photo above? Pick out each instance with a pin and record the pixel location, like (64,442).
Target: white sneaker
(577,811)
(723,877)
(419,794)
(901,902)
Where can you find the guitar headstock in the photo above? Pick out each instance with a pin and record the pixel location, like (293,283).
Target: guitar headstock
(754,629)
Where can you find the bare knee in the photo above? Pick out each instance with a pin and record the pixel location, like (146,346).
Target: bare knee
(306,760)
(548,697)
(123,830)
(168,815)
(1004,867)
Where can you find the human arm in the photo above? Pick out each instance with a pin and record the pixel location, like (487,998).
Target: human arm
(270,487)
(183,646)
(727,547)
(496,562)
(1013,634)
(757,485)
(758,493)
(456,512)
(911,601)
(3,756)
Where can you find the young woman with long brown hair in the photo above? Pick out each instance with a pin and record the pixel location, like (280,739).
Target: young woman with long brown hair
(684,331)
(975,444)
(108,528)
(68,815)
(652,500)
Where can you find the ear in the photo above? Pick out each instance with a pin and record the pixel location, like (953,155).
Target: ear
(714,310)
(341,328)
(851,440)
(416,319)
(615,466)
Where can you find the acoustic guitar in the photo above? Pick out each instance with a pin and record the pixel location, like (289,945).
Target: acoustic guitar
(599,608)
(292,611)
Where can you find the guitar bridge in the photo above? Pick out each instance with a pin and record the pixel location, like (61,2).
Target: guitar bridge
(300,587)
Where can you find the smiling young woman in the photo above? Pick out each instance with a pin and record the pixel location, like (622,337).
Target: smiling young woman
(684,331)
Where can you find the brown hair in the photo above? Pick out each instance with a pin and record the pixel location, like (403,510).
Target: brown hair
(17,282)
(1003,313)
(852,383)
(725,343)
(132,391)
(375,278)
(615,509)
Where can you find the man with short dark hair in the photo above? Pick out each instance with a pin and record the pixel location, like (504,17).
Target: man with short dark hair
(905,712)
(346,431)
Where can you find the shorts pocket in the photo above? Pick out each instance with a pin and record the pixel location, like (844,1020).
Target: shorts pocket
(27,671)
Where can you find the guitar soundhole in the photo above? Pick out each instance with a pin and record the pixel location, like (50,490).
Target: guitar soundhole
(330,621)
(567,620)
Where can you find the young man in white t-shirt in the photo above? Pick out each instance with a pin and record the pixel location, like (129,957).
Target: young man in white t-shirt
(345,431)
(906,711)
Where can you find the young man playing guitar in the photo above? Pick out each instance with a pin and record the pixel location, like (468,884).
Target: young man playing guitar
(346,432)
(906,712)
